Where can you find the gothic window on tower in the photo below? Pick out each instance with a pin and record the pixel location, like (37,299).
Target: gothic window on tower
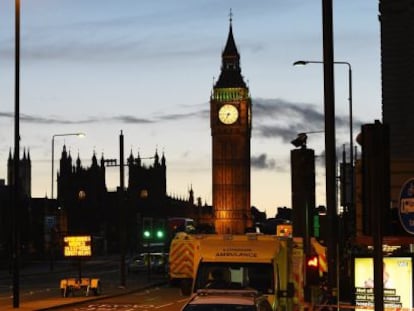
(230,66)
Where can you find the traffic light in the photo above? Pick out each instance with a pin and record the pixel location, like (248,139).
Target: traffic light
(159,229)
(147,234)
(146,228)
(159,234)
(312,270)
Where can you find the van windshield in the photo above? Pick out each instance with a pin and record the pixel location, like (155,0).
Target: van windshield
(258,276)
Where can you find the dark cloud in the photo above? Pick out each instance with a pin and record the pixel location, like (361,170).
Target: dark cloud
(130,119)
(262,162)
(278,118)
(6,115)
(59,120)
(179,116)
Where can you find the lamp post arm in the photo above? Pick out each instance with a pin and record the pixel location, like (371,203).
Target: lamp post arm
(69,134)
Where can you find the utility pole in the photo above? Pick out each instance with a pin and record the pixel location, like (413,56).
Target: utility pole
(122,206)
(16,164)
(330,158)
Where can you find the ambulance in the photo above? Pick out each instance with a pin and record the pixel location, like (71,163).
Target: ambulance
(269,264)
(183,256)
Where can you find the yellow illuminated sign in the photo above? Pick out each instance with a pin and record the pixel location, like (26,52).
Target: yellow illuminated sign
(284,230)
(397,278)
(77,246)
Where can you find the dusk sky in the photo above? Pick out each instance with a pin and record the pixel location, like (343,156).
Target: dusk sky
(147,67)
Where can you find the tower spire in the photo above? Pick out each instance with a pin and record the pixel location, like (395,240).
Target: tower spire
(230,75)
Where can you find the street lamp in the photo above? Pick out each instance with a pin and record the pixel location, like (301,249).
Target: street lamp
(16,182)
(53,151)
(351,147)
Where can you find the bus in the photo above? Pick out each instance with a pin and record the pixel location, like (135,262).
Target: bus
(180,224)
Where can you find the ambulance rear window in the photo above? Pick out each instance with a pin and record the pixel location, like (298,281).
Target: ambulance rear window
(258,276)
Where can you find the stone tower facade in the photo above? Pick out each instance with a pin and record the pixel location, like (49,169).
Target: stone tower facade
(230,121)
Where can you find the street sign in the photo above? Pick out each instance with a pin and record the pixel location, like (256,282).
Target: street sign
(406,207)
(77,246)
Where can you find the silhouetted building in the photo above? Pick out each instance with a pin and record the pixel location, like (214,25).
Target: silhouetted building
(82,194)
(284,213)
(5,223)
(25,173)
(26,218)
(397,67)
(85,206)
(89,208)
(147,185)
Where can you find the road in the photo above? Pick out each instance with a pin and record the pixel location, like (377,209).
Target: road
(36,278)
(158,298)
(38,283)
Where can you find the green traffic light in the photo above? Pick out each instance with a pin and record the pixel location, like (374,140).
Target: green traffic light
(147,234)
(160,234)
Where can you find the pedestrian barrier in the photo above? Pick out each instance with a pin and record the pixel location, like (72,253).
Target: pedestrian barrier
(69,286)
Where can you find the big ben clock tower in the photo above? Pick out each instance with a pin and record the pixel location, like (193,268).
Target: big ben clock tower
(230,121)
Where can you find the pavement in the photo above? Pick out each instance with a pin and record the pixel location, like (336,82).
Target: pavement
(55,300)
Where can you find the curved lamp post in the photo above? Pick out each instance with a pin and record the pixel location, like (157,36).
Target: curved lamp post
(351,146)
(304,63)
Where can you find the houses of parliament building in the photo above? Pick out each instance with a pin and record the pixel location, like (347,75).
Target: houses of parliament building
(84,205)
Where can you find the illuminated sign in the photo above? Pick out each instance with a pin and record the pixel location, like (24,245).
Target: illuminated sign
(77,246)
(284,230)
(397,282)
(236,252)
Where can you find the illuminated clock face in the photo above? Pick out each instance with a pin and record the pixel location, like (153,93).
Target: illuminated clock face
(228,114)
